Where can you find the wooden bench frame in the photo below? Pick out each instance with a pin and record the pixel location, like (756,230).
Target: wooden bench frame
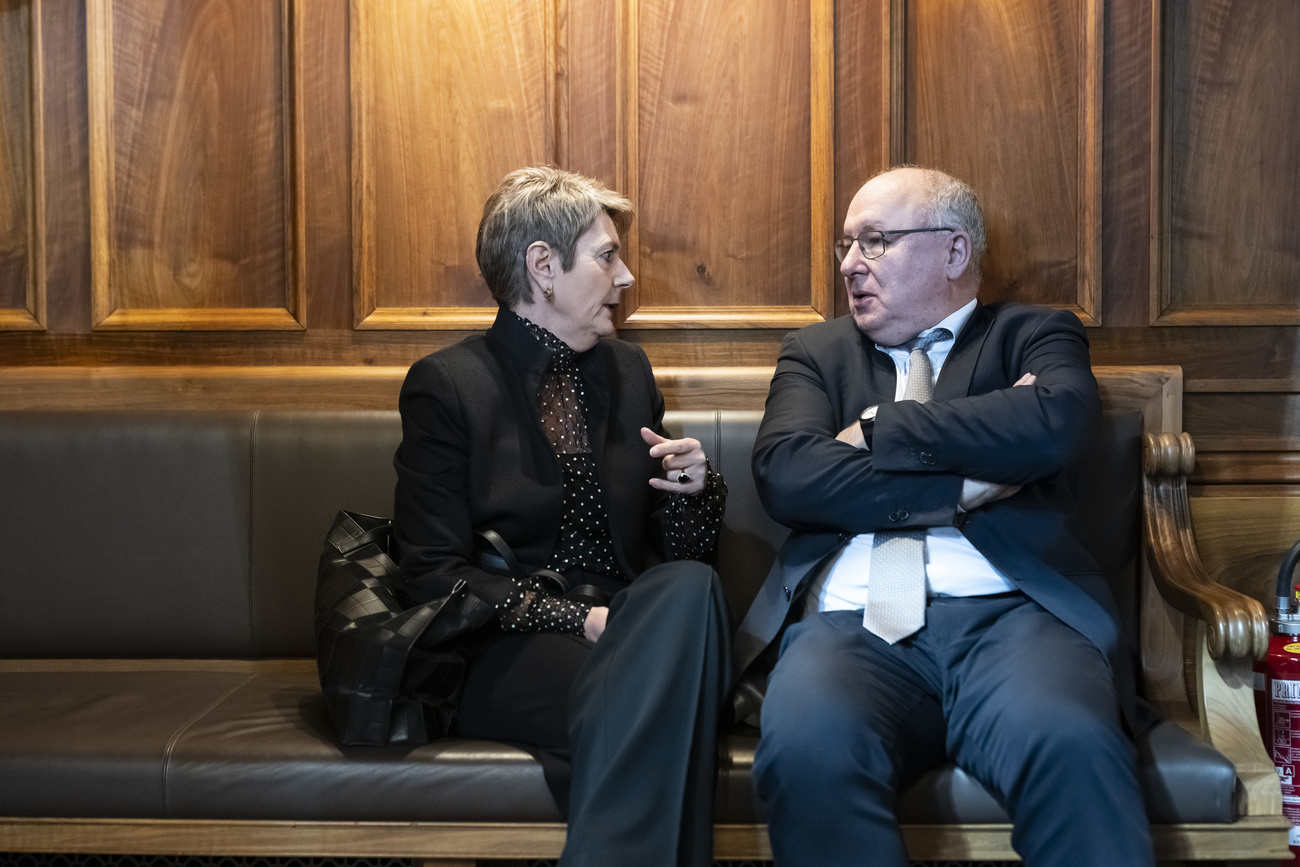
(1198,637)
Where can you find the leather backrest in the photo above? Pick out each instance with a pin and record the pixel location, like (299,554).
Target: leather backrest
(1108,488)
(126,533)
(196,533)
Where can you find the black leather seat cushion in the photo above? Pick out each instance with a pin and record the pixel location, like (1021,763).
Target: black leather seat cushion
(195,535)
(258,745)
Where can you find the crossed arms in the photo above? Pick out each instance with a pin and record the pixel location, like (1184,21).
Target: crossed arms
(1008,432)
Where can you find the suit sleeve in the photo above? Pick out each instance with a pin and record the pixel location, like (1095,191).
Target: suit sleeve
(810,481)
(1009,435)
(431,507)
(922,452)
(683,527)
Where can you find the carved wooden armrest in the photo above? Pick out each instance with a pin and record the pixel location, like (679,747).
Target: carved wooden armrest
(1237,626)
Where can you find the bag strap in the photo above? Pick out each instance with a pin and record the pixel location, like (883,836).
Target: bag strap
(499,558)
(353,530)
(495,555)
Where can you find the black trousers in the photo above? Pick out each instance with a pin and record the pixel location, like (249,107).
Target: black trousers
(626,728)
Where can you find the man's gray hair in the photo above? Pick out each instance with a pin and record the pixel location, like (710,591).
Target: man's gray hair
(539,204)
(951,202)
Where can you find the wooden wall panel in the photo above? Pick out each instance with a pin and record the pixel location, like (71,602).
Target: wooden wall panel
(729,160)
(1231,251)
(313,173)
(447,98)
(193,204)
(21,276)
(1244,534)
(1006,94)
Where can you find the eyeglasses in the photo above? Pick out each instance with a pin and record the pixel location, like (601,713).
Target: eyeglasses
(872,242)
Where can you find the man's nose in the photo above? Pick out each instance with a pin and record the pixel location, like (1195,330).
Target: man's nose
(854,262)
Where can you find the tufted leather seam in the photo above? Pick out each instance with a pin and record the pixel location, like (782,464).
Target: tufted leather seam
(717,438)
(252,528)
(180,732)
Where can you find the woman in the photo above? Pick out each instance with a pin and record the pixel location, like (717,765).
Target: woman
(549,432)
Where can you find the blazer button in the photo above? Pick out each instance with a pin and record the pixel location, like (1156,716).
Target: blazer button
(787,593)
(927,459)
(898,515)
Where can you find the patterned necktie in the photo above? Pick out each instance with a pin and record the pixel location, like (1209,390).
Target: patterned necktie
(896,596)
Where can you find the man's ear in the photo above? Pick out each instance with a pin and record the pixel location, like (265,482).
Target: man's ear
(958,254)
(542,262)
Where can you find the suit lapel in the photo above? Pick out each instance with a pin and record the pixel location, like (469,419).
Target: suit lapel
(955,377)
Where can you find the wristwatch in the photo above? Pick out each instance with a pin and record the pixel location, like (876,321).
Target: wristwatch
(867,421)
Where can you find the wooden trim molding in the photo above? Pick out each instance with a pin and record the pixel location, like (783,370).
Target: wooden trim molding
(292,387)
(32,316)
(1089,298)
(107,312)
(442,844)
(1155,390)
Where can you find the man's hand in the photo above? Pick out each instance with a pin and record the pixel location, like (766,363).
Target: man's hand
(975,493)
(684,456)
(594,626)
(853,436)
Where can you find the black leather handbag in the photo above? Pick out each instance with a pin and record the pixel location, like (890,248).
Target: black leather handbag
(391,672)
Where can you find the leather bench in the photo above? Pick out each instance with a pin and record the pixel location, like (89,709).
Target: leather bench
(157,693)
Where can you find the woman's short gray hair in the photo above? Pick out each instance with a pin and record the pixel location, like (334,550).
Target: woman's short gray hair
(539,204)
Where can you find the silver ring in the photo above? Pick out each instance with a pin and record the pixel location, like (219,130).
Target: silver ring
(684,479)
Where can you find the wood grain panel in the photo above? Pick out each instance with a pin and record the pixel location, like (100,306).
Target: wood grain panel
(1231,247)
(587,88)
(1249,468)
(1243,421)
(1006,94)
(1243,538)
(22,279)
(447,98)
(728,154)
(193,202)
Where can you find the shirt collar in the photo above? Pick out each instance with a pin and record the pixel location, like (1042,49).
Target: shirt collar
(954,322)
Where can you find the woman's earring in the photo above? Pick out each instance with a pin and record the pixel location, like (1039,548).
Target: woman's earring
(548,293)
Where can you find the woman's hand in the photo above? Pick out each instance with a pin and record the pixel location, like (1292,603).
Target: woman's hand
(680,457)
(594,626)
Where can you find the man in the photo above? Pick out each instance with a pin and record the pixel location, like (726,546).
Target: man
(934,603)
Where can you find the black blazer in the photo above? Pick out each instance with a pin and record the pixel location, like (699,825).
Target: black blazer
(474,456)
(976,426)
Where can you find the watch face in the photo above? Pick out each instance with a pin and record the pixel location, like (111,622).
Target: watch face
(869,413)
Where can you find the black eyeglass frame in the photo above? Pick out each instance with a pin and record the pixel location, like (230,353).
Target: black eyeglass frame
(843,245)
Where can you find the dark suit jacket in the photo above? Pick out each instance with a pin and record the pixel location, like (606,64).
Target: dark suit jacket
(474,456)
(976,426)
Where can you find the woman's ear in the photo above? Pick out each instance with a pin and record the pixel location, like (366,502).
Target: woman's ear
(542,262)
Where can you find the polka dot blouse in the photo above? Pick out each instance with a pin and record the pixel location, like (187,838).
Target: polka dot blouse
(690,525)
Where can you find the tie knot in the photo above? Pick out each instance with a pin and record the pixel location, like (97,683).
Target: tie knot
(923,342)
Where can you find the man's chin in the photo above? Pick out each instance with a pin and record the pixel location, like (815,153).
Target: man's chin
(866,322)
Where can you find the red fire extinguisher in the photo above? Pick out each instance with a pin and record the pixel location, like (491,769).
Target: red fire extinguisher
(1277,697)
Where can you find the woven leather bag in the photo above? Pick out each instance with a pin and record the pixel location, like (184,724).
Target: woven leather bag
(391,672)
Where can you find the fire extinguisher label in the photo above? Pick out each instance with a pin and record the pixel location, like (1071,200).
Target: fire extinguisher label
(1285,748)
